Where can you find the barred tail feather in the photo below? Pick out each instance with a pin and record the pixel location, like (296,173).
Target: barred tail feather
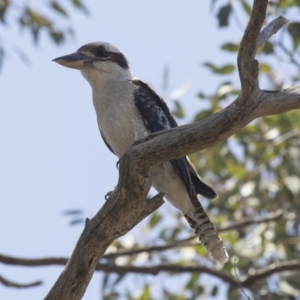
(207,234)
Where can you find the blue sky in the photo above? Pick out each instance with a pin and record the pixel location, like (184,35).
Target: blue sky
(52,157)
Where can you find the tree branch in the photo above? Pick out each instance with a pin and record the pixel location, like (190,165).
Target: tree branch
(102,267)
(268,218)
(180,243)
(289,53)
(247,65)
(270,29)
(119,269)
(109,223)
(291,265)
(126,206)
(10,283)
(185,242)
(62,261)
(280,102)
(245,281)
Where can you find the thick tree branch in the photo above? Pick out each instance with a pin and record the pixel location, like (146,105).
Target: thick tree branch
(247,65)
(102,230)
(127,206)
(280,102)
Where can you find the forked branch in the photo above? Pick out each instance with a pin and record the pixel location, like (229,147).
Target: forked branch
(127,206)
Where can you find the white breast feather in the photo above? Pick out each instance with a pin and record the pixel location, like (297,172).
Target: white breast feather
(118,118)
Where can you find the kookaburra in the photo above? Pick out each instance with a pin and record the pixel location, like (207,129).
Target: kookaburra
(128,110)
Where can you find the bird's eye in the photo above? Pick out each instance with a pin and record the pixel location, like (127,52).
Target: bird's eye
(101,52)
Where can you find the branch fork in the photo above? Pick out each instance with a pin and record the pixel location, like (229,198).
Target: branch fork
(126,206)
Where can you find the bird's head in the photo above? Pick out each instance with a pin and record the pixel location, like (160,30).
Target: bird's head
(97,61)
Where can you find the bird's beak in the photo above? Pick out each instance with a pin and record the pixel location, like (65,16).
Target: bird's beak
(75,60)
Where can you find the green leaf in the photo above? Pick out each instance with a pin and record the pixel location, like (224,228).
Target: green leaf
(146,293)
(202,115)
(235,92)
(294,31)
(246,7)
(236,170)
(57,36)
(214,291)
(178,112)
(119,278)
(213,2)
(170,296)
(78,4)
(264,68)
(155,219)
(3,9)
(111,296)
(35,33)
(200,250)
(201,95)
(73,212)
(193,281)
(105,280)
(226,69)
(1,56)
(175,232)
(223,15)
(268,48)
(76,221)
(129,296)
(58,8)
(231,47)
(288,3)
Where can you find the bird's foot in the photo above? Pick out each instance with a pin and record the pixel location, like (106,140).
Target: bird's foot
(106,197)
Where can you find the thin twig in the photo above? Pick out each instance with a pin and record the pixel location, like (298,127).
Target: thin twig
(9,283)
(238,280)
(270,29)
(268,218)
(289,53)
(62,261)
(184,242)
(245,281)
(286,136)
(277,267)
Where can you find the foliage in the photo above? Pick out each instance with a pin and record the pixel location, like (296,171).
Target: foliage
(34,17)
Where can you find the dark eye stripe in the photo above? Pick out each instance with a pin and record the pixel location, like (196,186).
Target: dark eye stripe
(115,57)
(100,51)
(119,59)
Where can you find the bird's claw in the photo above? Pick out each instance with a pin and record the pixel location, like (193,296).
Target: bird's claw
(106,197)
